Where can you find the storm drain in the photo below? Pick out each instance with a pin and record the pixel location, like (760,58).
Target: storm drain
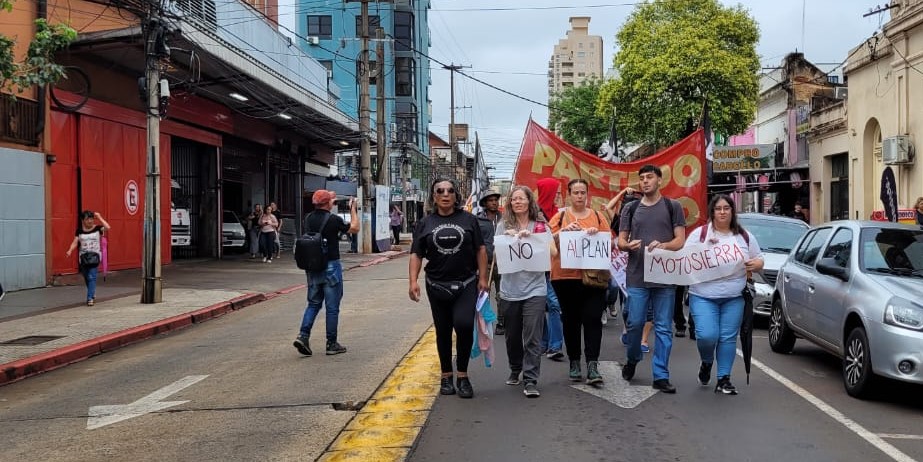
(348,406)
(32,340)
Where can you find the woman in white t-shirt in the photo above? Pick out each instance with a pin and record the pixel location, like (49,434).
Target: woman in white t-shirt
(718,305)
(89,238)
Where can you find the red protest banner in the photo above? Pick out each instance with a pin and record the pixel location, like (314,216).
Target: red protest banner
(544,155)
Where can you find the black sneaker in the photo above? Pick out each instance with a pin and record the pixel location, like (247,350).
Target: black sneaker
(334,348)
(513,379)
(592,373)
(301,344)
(531,390)
(555,355)
(499,330)
(446,387)
(704,373)
(575,374)
(664,385)
(691,334)
(628,370)
(725,386)
(680,332)
(464,388)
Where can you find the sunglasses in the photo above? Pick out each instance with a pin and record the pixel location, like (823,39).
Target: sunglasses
(445,191)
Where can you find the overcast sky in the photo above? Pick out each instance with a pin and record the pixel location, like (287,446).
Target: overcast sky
(510,49)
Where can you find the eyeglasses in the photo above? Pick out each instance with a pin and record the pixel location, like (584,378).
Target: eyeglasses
(445,191)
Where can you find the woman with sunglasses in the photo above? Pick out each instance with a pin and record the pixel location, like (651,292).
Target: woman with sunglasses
(450,240)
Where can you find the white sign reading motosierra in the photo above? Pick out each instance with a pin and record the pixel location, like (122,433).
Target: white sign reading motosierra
(696,262)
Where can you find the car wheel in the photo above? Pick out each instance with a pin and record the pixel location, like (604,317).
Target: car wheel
(858,377)
(781,337)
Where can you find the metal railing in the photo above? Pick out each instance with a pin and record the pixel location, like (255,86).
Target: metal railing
(19,120)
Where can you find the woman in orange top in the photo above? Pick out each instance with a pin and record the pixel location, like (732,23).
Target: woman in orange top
(581,305)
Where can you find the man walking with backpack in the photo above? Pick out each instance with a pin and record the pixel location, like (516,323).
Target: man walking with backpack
(654,222)
(318,253)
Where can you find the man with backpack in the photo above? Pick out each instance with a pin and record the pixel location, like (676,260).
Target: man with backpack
(317,252)
(654,222)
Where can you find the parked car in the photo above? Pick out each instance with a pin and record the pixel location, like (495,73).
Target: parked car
(854,289)
(777,235)
(233,234)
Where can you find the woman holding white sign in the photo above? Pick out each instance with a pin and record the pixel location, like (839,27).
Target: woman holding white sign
(524,293)
(582,305)
(718,305)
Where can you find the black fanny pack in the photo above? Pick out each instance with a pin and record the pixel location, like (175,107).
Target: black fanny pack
(447,291)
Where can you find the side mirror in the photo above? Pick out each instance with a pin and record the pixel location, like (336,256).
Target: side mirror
(829,267)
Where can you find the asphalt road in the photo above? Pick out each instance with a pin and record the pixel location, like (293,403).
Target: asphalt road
(767,422)
(258,400)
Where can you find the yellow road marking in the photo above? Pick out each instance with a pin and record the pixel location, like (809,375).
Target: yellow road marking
(387,426)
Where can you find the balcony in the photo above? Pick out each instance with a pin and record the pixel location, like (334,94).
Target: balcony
(18,121)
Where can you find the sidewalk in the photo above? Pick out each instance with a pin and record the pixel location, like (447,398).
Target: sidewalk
(43,329)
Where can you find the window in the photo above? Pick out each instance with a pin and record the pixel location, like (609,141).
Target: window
(580,45)
(374,24)
(839,187)
(320,26)
(840,247)
(811,245)
(406,117)
(403,31)
(581,54)
(403,76)
(592,45)
(328,64)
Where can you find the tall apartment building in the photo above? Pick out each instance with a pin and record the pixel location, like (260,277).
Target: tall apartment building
(576,57)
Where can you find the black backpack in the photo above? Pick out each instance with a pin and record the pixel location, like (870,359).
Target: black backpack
(311,248)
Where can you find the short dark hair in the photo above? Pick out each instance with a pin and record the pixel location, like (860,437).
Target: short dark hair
(651,168)
(577,181)
(87,214)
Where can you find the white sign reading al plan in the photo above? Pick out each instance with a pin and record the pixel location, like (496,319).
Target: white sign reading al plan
(514,254)
(580,250)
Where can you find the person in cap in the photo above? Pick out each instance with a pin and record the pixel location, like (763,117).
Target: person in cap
(325,288)
(488,218)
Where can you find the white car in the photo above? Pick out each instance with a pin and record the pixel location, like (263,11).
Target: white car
(233,234)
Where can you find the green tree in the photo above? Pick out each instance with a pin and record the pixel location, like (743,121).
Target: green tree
(38,67)
(572,115)
(673,56)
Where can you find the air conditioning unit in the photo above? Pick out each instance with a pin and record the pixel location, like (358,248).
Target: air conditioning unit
(840,92)
(329,73)
(896,150)
(313,40)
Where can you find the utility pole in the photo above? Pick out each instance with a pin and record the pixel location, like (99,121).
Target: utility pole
(151,283)
(452,68)
(384,159)
(364,122)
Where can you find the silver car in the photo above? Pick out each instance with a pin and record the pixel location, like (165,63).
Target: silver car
(777,235)
(854,288)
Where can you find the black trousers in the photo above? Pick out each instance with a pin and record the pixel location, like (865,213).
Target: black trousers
(581,311)
(457,315)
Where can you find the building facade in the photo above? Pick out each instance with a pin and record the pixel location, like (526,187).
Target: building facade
(330,32)
(885,92)
(577,57)
(244,120)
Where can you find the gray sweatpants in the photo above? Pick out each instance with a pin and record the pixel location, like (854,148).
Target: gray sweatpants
(524,322)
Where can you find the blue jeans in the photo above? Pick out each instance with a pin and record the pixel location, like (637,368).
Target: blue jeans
(717,323)
(553,332)
(89,276)
(325,288)
(661,302)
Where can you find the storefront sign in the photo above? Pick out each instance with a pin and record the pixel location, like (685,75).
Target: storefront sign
(580,250)
(744,158)
(514,254)
(905,216)
(131,197)
(382,213)
(694,263)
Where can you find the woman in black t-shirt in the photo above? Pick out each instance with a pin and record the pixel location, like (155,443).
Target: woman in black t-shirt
(449,238)
(89,237)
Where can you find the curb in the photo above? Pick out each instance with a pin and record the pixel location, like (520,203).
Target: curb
(27,367)
(44,362)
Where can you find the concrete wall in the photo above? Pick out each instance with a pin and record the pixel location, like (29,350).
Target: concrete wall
(22,219)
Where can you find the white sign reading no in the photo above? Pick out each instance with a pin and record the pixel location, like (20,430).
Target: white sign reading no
(514,254)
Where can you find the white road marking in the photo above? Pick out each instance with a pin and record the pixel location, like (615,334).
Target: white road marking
(615,389)
(100,416)
(898,436)
(871,438)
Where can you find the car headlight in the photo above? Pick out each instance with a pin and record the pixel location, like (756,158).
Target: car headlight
(903,313)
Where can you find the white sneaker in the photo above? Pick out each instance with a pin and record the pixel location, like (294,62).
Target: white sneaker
(265,260)
(605,318)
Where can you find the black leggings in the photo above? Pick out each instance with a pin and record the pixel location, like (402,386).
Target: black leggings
(581,309)
(460,316)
